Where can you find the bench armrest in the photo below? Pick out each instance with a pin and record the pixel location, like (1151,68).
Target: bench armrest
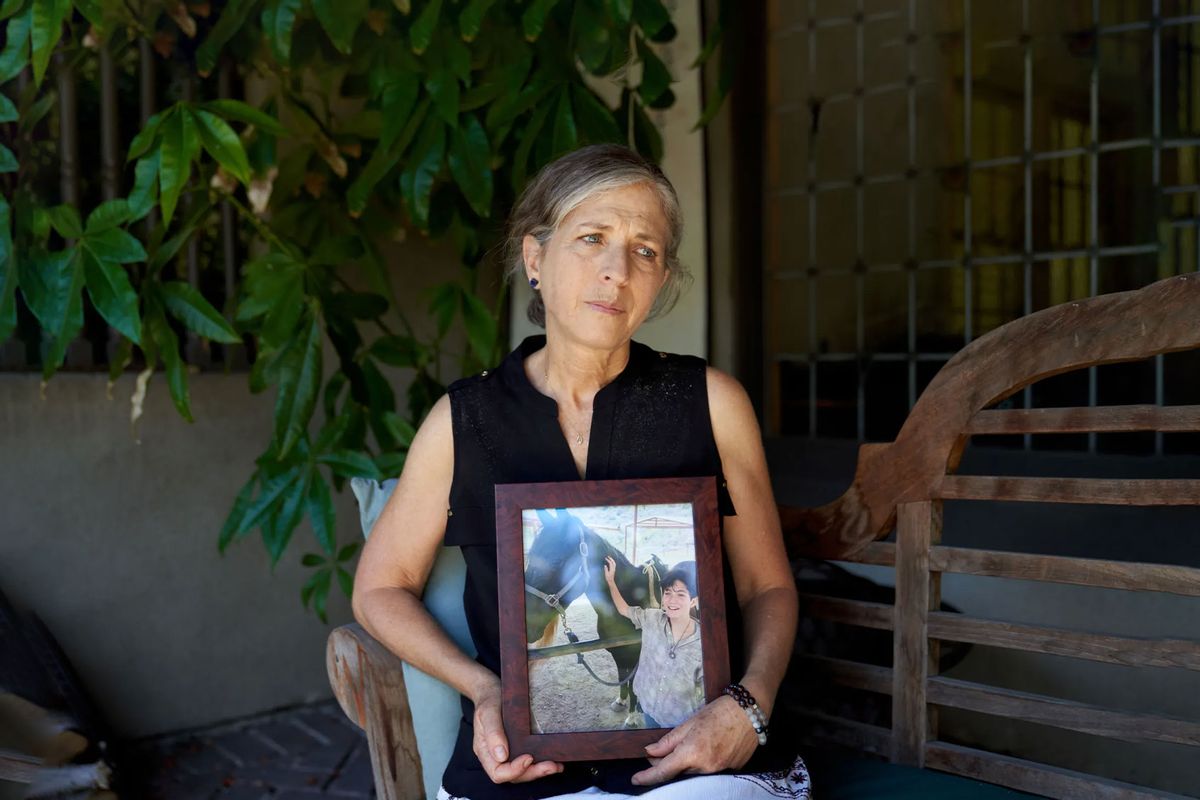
(368,681)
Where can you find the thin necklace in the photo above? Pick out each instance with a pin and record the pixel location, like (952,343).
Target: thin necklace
(674,645)
(579,437)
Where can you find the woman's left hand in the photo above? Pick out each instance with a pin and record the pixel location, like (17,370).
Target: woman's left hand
(717,737)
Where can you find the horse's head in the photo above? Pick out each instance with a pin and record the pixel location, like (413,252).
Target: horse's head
(555,566)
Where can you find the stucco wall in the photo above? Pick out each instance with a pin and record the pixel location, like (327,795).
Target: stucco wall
(111,539)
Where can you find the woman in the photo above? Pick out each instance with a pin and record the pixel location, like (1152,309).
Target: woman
(596,235)
(669,679)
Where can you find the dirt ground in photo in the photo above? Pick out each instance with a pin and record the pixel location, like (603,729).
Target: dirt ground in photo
(563,696)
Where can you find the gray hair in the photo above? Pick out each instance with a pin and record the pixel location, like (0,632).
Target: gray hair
(564,184)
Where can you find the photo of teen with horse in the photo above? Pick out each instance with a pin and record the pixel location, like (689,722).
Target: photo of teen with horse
(568,601)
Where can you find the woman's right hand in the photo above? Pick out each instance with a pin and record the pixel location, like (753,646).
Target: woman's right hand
(610,569)
(491,745)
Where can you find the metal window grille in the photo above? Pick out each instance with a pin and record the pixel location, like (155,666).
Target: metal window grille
(1033,153)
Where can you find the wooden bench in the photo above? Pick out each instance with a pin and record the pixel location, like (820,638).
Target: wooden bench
(900,487)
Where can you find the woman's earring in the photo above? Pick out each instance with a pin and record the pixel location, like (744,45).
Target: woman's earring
(533,282)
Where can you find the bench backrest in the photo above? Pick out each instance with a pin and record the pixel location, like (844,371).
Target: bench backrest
(901,486)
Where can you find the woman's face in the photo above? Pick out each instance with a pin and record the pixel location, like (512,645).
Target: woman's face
(601,270)
(677,601)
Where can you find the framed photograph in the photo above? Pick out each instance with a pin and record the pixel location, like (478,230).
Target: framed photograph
(612,613)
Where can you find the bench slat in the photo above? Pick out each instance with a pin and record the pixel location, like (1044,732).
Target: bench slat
(1030,776)
(1129,575)
(851,674)
(862,613)
(1068,714)
(1117,419)
(1125,650)
(1089,491)
(826,728)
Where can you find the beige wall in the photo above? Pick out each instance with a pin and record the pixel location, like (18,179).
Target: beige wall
(112,540)
(685,329)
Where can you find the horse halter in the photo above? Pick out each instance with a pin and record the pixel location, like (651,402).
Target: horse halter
(554,600)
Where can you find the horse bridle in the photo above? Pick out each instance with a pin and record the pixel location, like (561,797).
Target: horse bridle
(555,600)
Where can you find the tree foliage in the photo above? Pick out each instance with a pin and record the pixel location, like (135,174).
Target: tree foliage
(371,118)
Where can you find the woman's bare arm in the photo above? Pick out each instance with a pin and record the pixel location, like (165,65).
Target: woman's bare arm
(719,736)
(390,580)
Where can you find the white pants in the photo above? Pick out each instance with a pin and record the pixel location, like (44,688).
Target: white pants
(791,783)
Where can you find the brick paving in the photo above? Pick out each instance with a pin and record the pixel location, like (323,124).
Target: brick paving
(298,754)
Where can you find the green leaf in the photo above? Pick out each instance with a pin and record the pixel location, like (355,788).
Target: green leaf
(233,16)
(351,464)
(520,162)
(15,55)
(8,161)
(424,165)
(397,101)
(144,194)
(340,19)
(234,523)
(10,7)
(56,349)
(481,326)
(236,109)
(112,294)
(594,118)
(443,87)
(421,33)
(122,356)
(622,10)
(312,560)
(278,20)
(145,137)
(48,18)
(443,304)
(471,18)
(8,274)
(651,16)
(399,351)
(8,110)
(320,511)
(346,582)
(534,18)
(65,220)
(470,164)
(656,78)
(223,144)
(391,463)
(565,135)
(400,428)
(171,247)
(189,306)
(45,280)
(347,551)
(168,346)
(179,146)
(320,594)
(108,214)
(291,510)
(337,250)
(116,245)
(299,382)
(272,489)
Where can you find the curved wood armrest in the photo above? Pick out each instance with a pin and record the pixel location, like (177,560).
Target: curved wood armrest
(368,681)
(1163,317)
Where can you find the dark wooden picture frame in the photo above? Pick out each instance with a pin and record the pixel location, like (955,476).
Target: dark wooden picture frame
(511,501)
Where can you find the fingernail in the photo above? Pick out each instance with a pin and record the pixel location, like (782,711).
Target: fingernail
(499,753)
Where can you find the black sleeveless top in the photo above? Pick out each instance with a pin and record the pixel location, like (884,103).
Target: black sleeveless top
(652,421)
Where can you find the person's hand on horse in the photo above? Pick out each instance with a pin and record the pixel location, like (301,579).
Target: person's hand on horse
(715,738)
(491,745)
(610,569)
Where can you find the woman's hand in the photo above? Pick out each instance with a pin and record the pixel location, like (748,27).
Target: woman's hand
(717,737)
(610,569)
(491,745)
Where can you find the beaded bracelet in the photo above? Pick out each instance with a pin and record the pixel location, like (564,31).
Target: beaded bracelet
(745,700)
